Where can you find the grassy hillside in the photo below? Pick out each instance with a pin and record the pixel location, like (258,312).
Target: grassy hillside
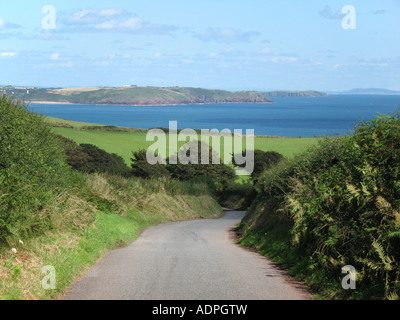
(135,95)
(53,215)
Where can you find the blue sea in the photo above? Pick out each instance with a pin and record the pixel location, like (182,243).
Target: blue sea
(289,117)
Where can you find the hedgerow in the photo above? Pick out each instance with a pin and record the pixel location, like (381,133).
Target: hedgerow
(340,203)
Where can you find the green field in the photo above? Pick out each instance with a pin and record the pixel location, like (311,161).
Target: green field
(75,124)
(288,147)
(123,143)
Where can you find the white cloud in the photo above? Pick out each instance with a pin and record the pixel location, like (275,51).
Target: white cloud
(67,64)
(265,51)
(64,64)
(112,20)
(284,59)
(7,25)
(119,56)
(232,52)
(107,25)
(8,54)
(102,63)
(228,50)
(188,61)
(94,16)
(267,55)
(111,12)
(132,23)
(226,35)
(55,56)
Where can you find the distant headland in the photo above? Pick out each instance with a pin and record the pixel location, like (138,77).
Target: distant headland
(146,95)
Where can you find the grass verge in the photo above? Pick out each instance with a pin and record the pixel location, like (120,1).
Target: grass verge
(108,213)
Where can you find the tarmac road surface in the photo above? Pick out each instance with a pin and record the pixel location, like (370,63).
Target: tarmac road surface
(190,260)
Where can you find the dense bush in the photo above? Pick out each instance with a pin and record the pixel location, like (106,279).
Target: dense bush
(141,168)
(102,161)
(90,159)
(240,194)
(221,173)
(75,156)
(237,195)
(341,203)
(206,180)
(32,168)
(263,160)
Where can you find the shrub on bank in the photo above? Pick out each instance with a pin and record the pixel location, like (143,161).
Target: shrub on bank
(340,203)
(141,168)
(38,184)
(220,174)
(32,168)
(237,195)
(89,158)
(263,160)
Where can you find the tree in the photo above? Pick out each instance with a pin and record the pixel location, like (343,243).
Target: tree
(262,160)
(220,173)
(141,167)
(89,158)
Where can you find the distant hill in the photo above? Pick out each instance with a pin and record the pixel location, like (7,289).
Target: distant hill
(376,91)
(293,94)
(134,95)
(140,95)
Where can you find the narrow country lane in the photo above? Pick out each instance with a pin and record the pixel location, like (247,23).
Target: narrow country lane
(191,260)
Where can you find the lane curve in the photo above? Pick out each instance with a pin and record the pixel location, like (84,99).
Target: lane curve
(190,260)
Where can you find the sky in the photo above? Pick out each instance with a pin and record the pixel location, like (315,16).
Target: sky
(226,44)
